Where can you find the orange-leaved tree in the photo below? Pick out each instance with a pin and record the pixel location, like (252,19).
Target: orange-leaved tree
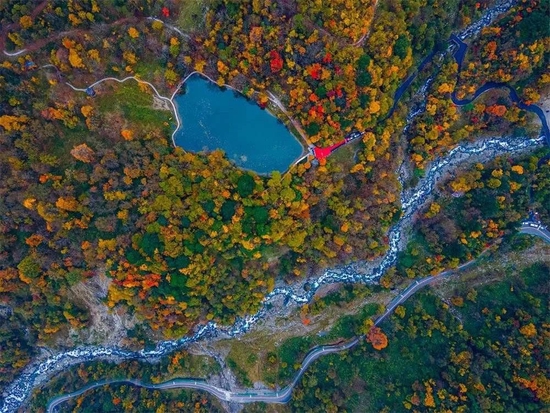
(377,338)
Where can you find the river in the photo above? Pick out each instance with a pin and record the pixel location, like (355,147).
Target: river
(39,372)
(459,57)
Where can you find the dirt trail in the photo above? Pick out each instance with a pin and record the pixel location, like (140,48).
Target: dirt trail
(40,43)
(14,26)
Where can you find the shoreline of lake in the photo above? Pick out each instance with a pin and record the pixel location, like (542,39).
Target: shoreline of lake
(242,130)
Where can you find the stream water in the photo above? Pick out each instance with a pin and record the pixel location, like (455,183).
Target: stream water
(513,95)
(40,371)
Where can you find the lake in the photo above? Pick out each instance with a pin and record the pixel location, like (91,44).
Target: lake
(214,118)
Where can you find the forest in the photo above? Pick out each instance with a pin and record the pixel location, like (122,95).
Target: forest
(92,187)
(473,211)
(485,350)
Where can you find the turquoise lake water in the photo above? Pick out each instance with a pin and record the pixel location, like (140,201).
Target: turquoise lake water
(213,118)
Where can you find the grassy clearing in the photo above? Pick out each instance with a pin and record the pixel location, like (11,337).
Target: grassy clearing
(191,14)
(135,105)
(345,156)
(128,104)
(66,139)
(249,357)
(196,366)
(274,362)
(148,71)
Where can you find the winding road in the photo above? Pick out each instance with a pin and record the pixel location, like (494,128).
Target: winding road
(535,229)
(527,227)
(243,396)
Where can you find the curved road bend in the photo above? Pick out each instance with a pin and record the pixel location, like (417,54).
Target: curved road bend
(527,227)
(539,231)
(417,285)
(283,396)
(245,396)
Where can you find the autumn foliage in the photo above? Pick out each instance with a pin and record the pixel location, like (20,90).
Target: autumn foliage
(377,338)
(276,62)
(92,186)
(83,153)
